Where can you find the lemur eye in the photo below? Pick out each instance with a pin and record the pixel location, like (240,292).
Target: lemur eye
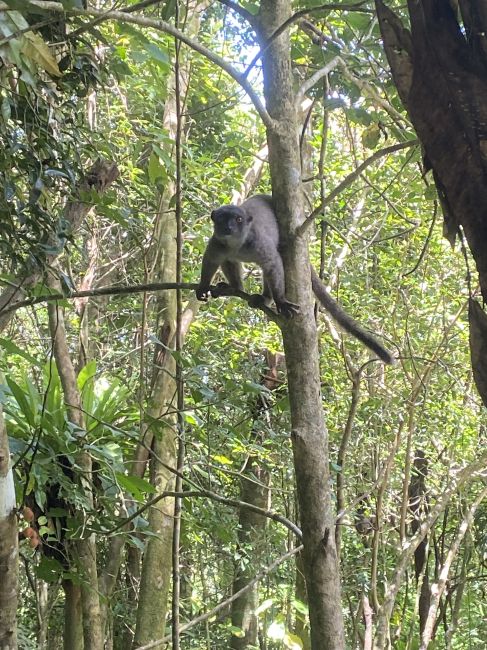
(238,219)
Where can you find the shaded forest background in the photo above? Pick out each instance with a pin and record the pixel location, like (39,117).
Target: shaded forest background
(116,142)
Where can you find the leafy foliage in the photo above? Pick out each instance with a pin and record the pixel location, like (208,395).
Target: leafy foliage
(104,93)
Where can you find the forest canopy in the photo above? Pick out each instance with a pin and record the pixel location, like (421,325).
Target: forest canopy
(183,474)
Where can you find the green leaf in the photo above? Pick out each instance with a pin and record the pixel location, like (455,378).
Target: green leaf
(237,631)
(430,193)
(86,373)
(371,136)
(223,460)
(11,348)
(158,54)
(136,486)
(155,169)
(24,405)
(301,607)
(35,48)
(6,109)
(292,641)
(48,569)
(30,44)
(264,606)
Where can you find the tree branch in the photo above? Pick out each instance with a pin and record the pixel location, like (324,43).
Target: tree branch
(438,587)
(319,74)
(29,28)
(162,26)
(348,180)
(246,15)
(462,478)
(235,503)
(217,291)
(227,601)
(295,17)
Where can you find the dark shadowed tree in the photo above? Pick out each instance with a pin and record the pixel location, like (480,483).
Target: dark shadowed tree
(439,67)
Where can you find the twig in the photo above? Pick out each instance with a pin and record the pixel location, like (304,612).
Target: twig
(250,18)
(225,603)
(235,503)
(295,17)
(216,292)
(163,26)
(319,74)
(348,180)
(29,28)
(460,479)
(426,242)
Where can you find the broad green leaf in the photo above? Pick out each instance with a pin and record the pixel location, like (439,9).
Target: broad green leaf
(20,397)
(223,460)
(11,348)
(292,641)
(135,485)
(48,569)
(371,136)
(39,52)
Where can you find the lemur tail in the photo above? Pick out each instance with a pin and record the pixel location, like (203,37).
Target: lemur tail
(347,322)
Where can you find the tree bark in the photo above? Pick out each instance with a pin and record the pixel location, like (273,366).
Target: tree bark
(254,489)
(9,552)
(440,71)
(309,434)
(73,616)
(157,561)
(84,548)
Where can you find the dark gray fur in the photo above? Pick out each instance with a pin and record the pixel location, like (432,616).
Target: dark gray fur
(249,233)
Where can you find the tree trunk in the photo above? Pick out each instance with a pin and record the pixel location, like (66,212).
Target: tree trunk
(253,489)
(309,434)
(73,617)
(9,552)
(157,561)
(84,548)
(101,175)
(440,71)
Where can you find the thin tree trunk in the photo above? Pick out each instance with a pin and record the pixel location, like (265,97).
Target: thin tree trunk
(42,607)
(100,176)
(9,552)
(352,411)
(309,434)
(418,506)
(254,488)
(157,560)
(73,616)
(85,548)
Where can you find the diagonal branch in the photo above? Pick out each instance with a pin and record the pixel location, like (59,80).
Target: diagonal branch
(208,494)
(348,180)
(204,617)
(161,26)
(464,477)
(319,74)
(438,587)
(246,15)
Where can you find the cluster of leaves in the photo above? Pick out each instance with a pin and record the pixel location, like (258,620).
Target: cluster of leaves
(44,145)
